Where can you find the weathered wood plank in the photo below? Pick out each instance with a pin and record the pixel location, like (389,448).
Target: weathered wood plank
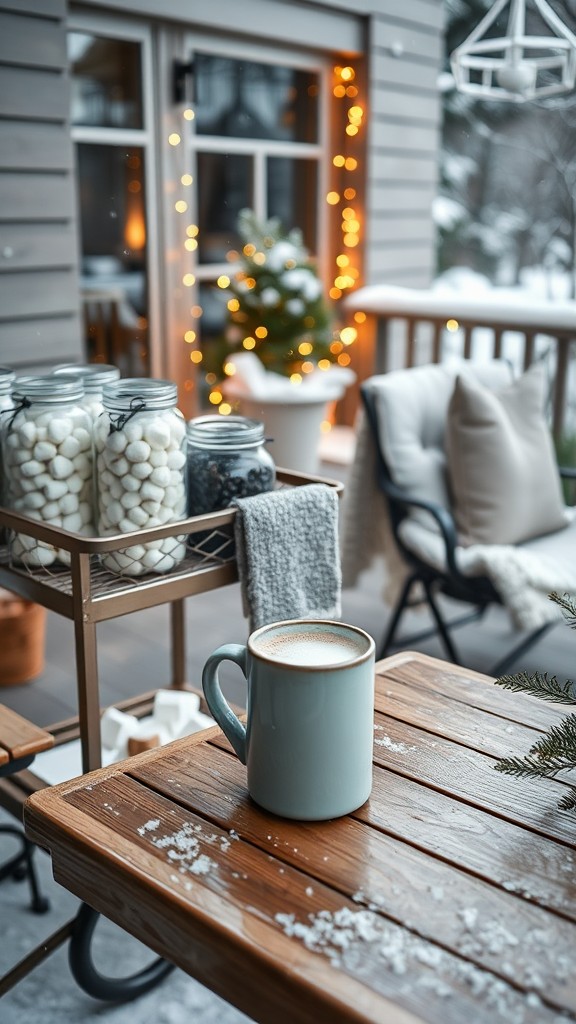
(402,102)
(443,716)
(33,246)
(470,776)
(19,737)
(418,12)
(38,95)
(35,197)
(401,199)
(28,343)
(398,258)
(47,292)
(443,905)
(27,146)
(32,41)
(385,230)
(400,72)
(387,35)
(476,691)
(406,136)
(402,168)
(43,8)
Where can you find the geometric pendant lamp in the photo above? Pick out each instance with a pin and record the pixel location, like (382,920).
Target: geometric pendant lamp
(516,66)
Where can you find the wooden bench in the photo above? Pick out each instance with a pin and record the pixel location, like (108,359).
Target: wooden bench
(20,741)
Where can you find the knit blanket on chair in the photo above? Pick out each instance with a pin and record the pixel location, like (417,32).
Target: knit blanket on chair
(523,576)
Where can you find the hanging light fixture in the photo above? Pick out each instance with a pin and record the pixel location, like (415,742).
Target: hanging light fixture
(516,66)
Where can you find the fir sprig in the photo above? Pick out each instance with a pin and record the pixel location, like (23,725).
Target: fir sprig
(540,685)
(555,750)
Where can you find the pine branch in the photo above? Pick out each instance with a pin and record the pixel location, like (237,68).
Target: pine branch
(526,768)
(558,745)
(568,802)
(539,685)
(568,606)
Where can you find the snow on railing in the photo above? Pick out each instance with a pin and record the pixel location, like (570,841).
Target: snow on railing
(413,326)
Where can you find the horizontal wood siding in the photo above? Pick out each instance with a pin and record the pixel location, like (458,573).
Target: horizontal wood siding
(405,51)
(39,295)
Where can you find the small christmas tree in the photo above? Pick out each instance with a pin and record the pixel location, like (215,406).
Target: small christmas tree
(275,300)
(555,751)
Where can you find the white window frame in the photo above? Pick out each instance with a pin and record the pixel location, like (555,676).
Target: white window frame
(181,159)
(260,149)
(146,139)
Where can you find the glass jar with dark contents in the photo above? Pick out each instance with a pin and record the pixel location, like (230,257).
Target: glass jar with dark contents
(227,459)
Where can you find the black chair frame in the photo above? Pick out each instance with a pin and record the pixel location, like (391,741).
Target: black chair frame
(475,590)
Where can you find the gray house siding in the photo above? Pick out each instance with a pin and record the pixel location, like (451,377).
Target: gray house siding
(405,57)
(39,292)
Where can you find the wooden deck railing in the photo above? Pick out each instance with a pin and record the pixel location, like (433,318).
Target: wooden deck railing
(414,326)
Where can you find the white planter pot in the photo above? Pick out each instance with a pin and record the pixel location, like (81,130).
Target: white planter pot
(294,427)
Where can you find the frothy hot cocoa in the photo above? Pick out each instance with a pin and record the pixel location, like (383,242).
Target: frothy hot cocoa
(310,648)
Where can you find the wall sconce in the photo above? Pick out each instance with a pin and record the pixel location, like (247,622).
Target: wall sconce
(181,71)
(516,66)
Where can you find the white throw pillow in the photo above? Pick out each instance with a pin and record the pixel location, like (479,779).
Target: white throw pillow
(501,465)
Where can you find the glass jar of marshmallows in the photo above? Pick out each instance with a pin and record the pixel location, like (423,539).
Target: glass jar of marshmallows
(141,472)
(48,464)
(94,377)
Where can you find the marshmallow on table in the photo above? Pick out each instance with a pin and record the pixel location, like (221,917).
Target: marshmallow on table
(141,483)
(173,708)
(175,715)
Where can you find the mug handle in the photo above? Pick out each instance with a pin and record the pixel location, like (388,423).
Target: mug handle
(221,711)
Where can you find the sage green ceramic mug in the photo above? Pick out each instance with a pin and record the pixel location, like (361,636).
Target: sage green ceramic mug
(308,740)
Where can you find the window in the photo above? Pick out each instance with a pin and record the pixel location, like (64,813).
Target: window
(257,138)
(112,142)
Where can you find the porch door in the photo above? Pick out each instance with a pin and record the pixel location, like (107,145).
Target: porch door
(251,130)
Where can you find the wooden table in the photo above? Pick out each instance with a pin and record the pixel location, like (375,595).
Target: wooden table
(450,896)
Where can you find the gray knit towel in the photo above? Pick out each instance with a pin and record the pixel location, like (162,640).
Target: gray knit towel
(288,554)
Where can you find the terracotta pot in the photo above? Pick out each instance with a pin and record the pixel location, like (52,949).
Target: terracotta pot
(22,634)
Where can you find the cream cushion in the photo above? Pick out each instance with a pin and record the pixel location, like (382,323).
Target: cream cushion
(502,469)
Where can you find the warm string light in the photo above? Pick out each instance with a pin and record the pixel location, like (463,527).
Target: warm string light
(190,244)
(346,272)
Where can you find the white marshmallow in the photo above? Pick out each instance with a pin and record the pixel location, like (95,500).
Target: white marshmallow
(72,522)
(157,433)
(176,459)
(58,429)
(141,470)
(138,451)
(69,503)
(44,450)
(138,516)
(160,476)
(31,468)
(70,447)
(130,483)
(117,442)
(61,467)
(116,727)
(149,490)
(120,467)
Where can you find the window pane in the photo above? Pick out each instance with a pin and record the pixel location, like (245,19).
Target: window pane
(224,188)
(113,243)
(244,99)
(293,195)
(106,81)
